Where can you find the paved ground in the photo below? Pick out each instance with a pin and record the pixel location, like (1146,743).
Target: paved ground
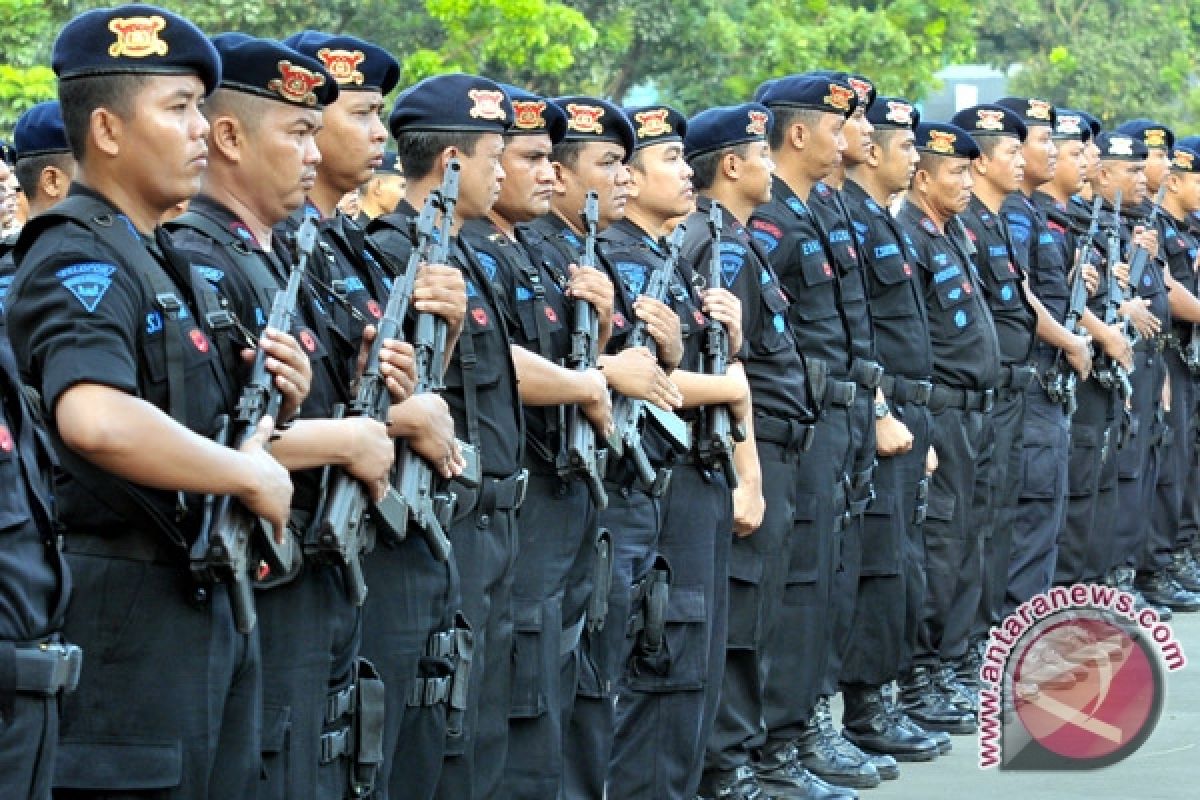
(1167,767)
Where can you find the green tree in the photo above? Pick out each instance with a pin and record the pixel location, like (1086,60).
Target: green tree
(1114,59)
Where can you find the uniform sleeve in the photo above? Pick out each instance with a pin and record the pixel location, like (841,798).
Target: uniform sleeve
(74,318)
(782,249)
(504,282)
(1021,232)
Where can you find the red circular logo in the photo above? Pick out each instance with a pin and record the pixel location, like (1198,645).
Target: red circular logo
(696,315)
(908,270)
(550,315)
(307,341)
(618,319)
(374,310)
(967,287)
(6,440)
(480,316)
(199,340)
(828,270)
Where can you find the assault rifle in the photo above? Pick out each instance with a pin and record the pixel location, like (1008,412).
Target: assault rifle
(232,540)
(1060,383)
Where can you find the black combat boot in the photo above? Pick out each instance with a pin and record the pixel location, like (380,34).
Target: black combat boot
(737,784)
(781,774)
(907,723)
(922,701)
(1160,589)
(870,728)
(1185,569)
(820,754)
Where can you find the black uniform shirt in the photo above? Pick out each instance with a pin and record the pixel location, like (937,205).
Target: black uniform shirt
(829,206)
(893,286)
(1152,286)
(774,368)
(1001,272)
(1180,246)
(480,371)
(788,231)
(80,313)
(1053,241)
(966,354)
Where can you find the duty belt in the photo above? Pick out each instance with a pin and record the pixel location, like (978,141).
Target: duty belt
(503,494)
(44,668)
(1015,379)
(840,393)
(904,390)
(963,399)
(866,374)
(791,434)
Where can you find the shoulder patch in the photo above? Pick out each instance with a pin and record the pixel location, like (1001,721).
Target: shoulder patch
(733,258)
(766,233)
(1020,225)
(797,205)
(1056,228)
(633,275)
(860,231)
(88,281)
(489,264)
(210,274)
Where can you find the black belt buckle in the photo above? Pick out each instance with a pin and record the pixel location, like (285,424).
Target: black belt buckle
(48,668)
(922,391)
(867,374)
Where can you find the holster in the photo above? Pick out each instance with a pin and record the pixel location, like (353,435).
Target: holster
(647,623)
(817,372)
(922,506)
(460,684)
(602,570)
(862,491)
(354,721)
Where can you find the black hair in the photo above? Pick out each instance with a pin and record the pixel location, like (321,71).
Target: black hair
(29,170)
(785,118)
(418,151)
(705,166)
(79,97)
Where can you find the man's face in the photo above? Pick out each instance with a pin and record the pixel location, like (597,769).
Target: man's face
(352,140)
(1188,184)
(598,168)
(8,200)
(528,187)
(898,159)
(1004,167)
(949,185)
(389,190)
(1071,166)
(282,158)
(1127,176)
(827,142)
(481,177)
(1091,156)
(1041,154)
(1158,164)
(663,181)
(857,130)
(756,169)
(162,148)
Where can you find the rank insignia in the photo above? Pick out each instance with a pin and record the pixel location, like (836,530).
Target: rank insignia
(861,88)
(1120,146)
(137,37)
(585,119)
(527,114)
(838,97)
(899,113)
(1155,137)
(1039,109)
(758,123)
(989,119)
(296,84)
(488,104)
(1184,160)
(1070,125)
(942,142)
(343,64)
(652,122)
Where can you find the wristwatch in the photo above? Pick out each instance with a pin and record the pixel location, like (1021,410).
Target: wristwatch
(882,409)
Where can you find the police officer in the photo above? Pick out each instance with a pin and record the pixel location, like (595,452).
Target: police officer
(104,323)
(481,391)
(806,143)
(409,629)
(893,572)
(730,155)
(38,665)
(558,523)
(1153,577)
(966,369)
(382,192)
(1089,460)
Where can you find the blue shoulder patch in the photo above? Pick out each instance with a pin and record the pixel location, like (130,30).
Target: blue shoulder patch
(210,274)
(1020,226)
(797,205)
(633,275)
(489,264)
(88,281)
(1045,237)
(471,290)
(733,258)
(523,294)
(766,233)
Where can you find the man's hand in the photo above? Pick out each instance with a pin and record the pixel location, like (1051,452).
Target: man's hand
(634,372)
(1137,311)
(598,409)
(288,363)
(931,461)
(892,437)
(370,453)
(1079,356)
(592,285)
(269,486)
(748,509)
(1146,238)
(1116,345)
(397,364)
(1121,270)
(1091,279)
(663,326)
(424,421)
(441,290)
(724,306)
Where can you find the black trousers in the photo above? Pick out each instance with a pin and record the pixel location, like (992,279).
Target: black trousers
(892,581)
(1174,447)
(168,703)
(309,634)
(797,650)
(1137,462)
(1189,519)
(558,523)
(663,697)
(28,741)
(995,513)
(1092,451)
(953,546)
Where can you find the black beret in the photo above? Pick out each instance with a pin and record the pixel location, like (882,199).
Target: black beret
(590,119)
(762,89)
(535,114)
(726,126)
(456,102)
(1071,124)
(1185,159)
(134,39)
(1190,142)
(1093,122)
(1121,147)
(271,69)
(944,139)
(990,120)
(893,113)
(1151,133)
(40,131)
(354,63)
(655,125)
(864,87)
(815,91)
(1031,110)
(390,165)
